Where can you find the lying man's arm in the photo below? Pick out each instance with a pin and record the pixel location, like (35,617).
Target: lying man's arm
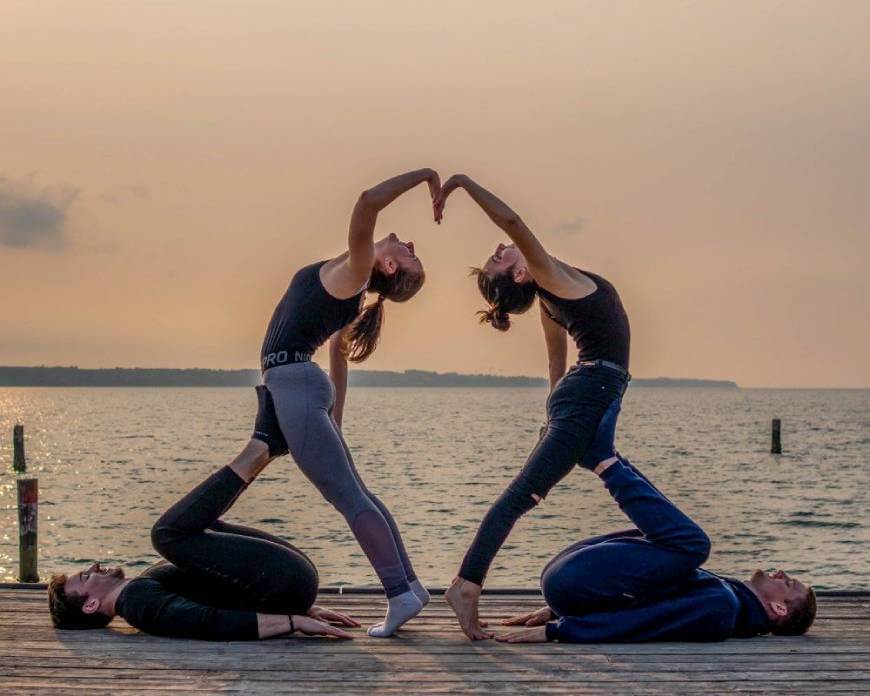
(150,608)
(706,614)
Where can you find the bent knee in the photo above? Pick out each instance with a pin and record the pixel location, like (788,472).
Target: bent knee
(558,591)
(162,536)
(701,546)
(299,595)
(349,505)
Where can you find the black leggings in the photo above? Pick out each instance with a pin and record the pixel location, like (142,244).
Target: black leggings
(252,568)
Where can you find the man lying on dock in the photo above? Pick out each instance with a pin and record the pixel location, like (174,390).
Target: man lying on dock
(220,581)
(646,583)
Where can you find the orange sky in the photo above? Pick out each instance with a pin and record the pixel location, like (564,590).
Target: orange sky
(165,167)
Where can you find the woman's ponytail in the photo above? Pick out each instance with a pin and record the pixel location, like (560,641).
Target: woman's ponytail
(365,332)
(498,319)
(505,297)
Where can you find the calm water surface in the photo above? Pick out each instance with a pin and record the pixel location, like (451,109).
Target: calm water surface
(110,460)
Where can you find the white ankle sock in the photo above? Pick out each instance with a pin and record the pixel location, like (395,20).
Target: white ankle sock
(400,609)
(421,592)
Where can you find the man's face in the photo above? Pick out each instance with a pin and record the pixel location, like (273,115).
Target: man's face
(778,587)
(94,581)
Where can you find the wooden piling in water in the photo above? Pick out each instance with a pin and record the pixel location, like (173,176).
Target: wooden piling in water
(28,500)
(775,439)
(18,462)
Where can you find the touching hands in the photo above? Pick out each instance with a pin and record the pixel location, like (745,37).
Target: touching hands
(434,182)
(438,202)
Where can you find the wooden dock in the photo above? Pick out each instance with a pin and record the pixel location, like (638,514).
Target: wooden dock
(430,656)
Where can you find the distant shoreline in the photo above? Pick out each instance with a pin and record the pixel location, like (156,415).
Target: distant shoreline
(196,377)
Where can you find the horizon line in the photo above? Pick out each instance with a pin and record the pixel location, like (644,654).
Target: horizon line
(412,369)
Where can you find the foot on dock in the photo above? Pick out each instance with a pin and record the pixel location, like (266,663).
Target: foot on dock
(400,609)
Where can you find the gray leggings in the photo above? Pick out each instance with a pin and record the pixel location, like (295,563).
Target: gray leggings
(304,396)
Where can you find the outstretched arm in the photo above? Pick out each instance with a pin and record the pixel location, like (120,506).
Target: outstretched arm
(155,610)
(543,267)
(365,216)
(706,614)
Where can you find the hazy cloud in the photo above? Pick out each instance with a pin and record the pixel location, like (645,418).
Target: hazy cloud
(32,217)
(570,226)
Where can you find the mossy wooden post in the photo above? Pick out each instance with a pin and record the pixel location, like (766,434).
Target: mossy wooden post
(18,462)
(28,499)
(775,441)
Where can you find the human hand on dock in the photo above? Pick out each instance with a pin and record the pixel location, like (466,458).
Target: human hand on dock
(312,627)
(538,634)
(332,617)
(533,618)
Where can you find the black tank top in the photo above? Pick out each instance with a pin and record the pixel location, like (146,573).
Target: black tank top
(597,323)
(305,318)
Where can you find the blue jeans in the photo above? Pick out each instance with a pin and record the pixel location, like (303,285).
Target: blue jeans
(574,410)
(617,570)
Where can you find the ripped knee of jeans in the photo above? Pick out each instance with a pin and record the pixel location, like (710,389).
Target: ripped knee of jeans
(521,488)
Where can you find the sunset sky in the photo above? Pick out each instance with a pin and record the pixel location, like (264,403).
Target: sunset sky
(166,166)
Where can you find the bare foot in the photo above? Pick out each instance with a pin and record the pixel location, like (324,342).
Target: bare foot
(463,597)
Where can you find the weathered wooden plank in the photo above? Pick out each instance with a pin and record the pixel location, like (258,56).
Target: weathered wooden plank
(326,665)
(431,656)
(455,644)
(503,674)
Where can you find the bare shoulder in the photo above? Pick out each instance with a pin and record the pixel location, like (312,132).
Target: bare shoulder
(568,282)
(339,279)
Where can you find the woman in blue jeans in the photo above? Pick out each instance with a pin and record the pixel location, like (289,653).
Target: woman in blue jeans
(572,302)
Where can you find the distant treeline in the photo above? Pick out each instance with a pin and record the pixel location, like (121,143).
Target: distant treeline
(144,377)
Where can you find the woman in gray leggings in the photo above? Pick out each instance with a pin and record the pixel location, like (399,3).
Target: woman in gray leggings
(325,300)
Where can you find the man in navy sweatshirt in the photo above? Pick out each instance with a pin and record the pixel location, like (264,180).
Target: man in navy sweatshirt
(646,583)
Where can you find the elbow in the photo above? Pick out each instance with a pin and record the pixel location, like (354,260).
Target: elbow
(367,200)
(512,222)
(337,351)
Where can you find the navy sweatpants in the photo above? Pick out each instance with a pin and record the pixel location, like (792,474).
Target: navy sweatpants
(614,570)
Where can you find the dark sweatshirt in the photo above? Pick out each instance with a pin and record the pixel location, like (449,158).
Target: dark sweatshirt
(165,601)
(706,607)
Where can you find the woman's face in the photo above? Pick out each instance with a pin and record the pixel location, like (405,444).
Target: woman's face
(391,253)
(503,259)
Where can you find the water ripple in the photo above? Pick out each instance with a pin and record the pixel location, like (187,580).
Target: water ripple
(109,461)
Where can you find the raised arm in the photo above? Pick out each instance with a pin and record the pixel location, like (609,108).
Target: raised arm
(556,339)
(543,267)
(360,240)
